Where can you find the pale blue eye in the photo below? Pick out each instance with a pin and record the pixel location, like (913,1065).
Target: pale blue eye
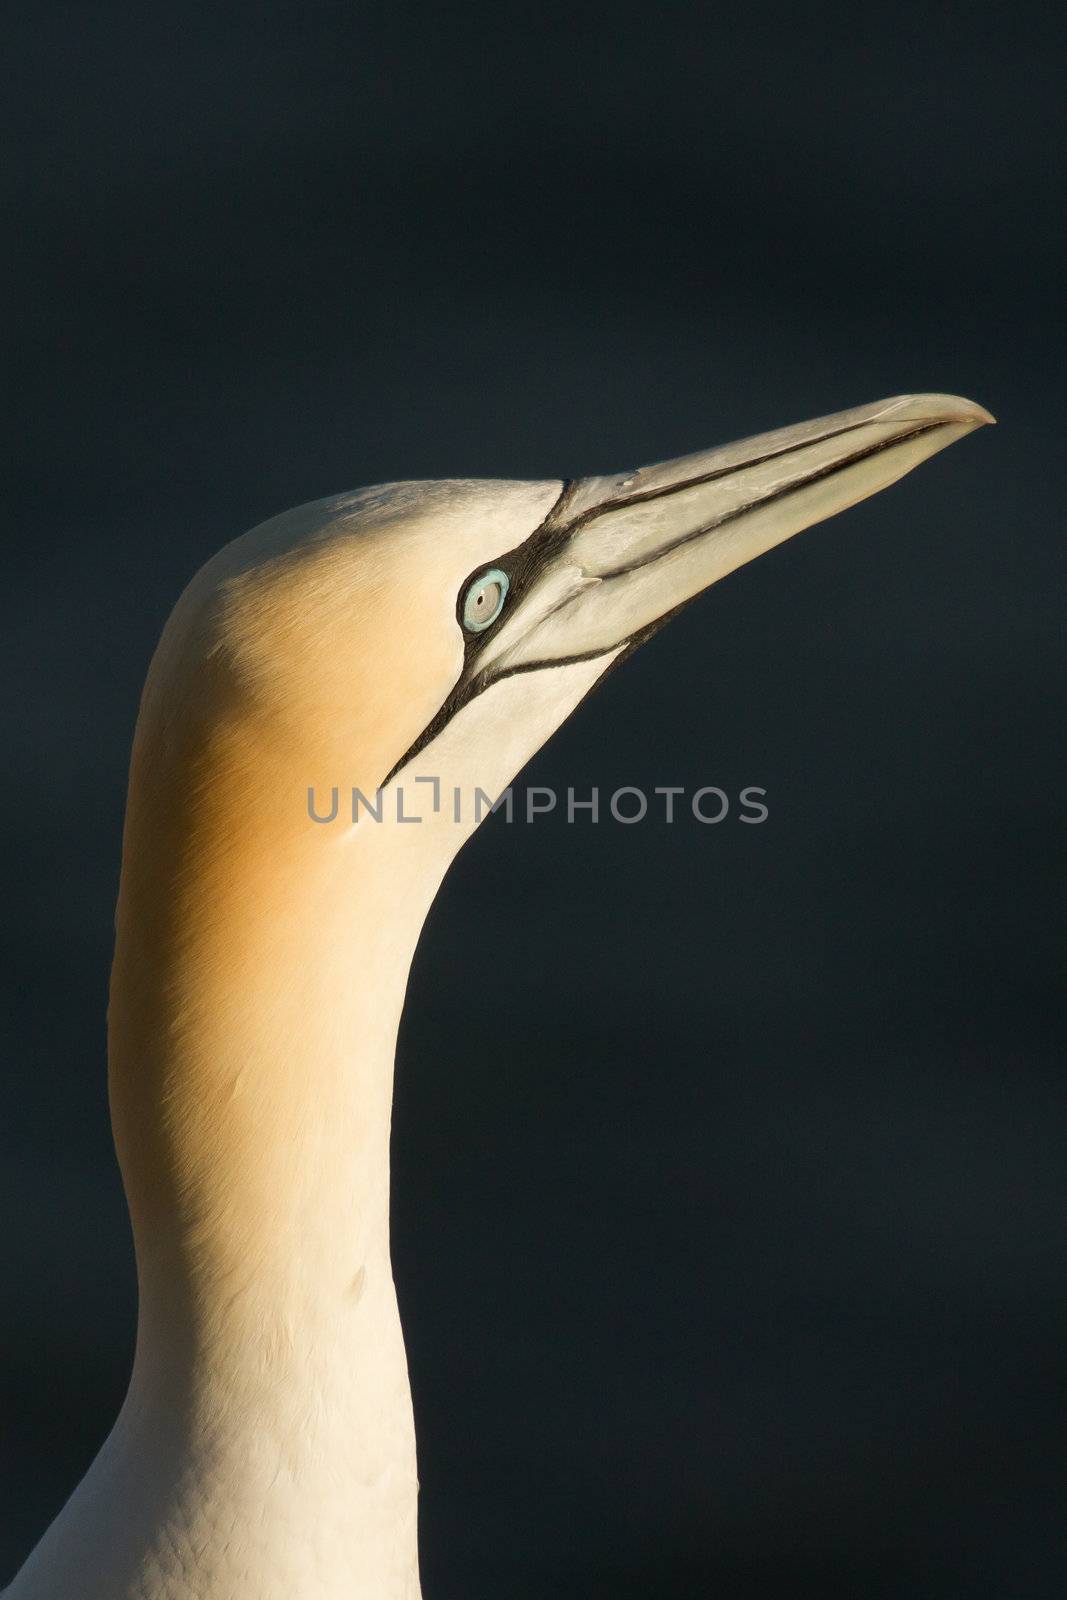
(485,599)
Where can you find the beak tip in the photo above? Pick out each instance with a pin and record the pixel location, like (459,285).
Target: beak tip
(950,408)
(979,414)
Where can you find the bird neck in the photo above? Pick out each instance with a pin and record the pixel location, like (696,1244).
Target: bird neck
(259,979)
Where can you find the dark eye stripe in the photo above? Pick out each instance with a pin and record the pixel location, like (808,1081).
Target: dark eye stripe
(519,567)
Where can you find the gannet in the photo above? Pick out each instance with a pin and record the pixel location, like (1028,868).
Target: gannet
(433,630)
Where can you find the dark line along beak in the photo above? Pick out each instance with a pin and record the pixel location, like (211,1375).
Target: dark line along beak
(624,553)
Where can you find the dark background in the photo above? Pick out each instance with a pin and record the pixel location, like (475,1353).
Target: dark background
(731,1253)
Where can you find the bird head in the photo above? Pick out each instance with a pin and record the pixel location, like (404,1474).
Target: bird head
(445,629)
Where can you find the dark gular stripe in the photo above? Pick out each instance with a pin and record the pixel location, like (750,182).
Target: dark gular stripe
(525,563)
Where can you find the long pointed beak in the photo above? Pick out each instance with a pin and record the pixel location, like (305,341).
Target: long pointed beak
(622,554)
